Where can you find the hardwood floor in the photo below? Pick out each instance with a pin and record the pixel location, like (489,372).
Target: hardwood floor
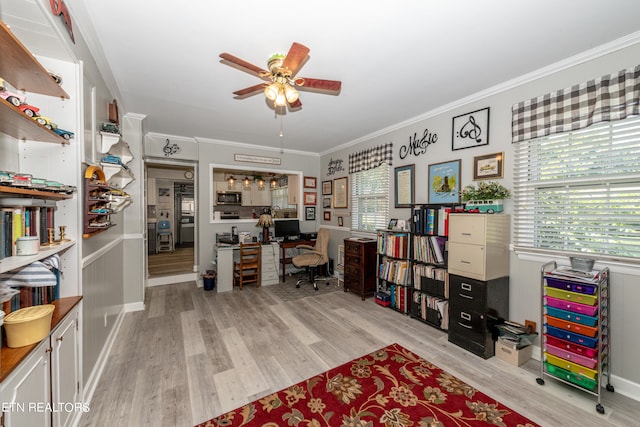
(192,355)
(163,263)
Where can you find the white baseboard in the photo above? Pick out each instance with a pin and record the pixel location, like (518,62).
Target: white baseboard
(134,306)
(168,280)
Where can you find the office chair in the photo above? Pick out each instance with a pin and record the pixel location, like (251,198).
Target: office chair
(313,257)
(164,237)
(247,268)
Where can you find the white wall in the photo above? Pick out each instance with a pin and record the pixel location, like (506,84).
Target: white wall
(525,283)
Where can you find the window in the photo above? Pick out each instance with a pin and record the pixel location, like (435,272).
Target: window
(579,191)
(370,198)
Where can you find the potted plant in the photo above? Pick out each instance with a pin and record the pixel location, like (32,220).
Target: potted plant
(487,197)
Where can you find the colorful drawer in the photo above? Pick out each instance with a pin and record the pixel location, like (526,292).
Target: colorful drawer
(571,296)
(570,326)
(571,357)
(571,366)
(571,336)
(574,348)
(571,316)
(576,379)
(582,288)
(587,310)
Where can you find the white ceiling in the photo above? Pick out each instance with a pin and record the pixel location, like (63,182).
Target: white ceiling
(396,60)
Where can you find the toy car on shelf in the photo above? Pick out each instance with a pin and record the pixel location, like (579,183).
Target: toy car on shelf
(110,158)
(38,183)
(53,186)
(110,128)
(100,211)
(46,122)
(6,178)
(29,110)
(13,98)
(55,76)
(22,180)
(64,133)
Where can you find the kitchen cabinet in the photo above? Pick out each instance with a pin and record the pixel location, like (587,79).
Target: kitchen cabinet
(293,193)
(49,375)
(256,197)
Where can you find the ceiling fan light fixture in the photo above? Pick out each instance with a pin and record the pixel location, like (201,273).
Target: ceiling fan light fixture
(291,94)
(281,99)
(271,91)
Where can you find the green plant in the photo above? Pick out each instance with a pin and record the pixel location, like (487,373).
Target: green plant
(486,190)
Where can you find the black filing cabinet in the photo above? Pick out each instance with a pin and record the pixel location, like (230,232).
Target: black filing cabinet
(474,308)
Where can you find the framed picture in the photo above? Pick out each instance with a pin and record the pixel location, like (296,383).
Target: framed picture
(326,202)
(471,129)
(340,221)
(489,166)
(444,182)
(310,198)
(310,182)
(310,213)
(327,216)
(404,186)
(392,223)
(341,193)
(327,188)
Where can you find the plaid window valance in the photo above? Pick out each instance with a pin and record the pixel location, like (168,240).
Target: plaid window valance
(370,158)
(608,98)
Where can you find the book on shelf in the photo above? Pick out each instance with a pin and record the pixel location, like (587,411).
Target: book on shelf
(23,221)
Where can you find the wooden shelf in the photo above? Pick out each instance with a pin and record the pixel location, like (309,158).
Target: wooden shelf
(20,126)
(20,68)
(34,193)
(13,262)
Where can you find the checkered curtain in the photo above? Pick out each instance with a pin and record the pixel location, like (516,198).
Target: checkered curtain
(370,158)
(608,98)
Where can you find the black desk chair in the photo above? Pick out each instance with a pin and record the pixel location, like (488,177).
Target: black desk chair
(313,257)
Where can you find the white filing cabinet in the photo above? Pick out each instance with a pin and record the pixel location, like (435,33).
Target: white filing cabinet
(269,266)
(479,245)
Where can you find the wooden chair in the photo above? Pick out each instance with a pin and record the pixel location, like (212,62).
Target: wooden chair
(247,268)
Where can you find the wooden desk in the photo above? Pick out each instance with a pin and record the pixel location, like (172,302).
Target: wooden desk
(287,245)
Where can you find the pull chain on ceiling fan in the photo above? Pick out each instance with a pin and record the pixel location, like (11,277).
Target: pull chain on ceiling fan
(281,84)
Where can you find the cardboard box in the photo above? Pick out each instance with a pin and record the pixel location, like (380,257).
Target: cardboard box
(509,353)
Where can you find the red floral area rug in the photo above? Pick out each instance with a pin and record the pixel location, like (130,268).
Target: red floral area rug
(390,387)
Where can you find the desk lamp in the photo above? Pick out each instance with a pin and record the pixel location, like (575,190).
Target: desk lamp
(265,221)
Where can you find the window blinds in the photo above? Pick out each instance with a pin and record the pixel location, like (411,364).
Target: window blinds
(580,191)
(370,199)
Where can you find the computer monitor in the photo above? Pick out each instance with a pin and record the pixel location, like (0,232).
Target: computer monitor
(287,228)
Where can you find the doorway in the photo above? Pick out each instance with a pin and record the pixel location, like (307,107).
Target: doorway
(171,197)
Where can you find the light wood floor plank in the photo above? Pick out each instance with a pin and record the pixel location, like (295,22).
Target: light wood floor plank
(193,355)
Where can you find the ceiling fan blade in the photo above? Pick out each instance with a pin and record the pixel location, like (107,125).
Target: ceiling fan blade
(329,87)
(295,106)
(249,91)
(243,65)
(296,58)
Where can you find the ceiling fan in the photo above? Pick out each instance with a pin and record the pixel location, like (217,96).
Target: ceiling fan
(280,82)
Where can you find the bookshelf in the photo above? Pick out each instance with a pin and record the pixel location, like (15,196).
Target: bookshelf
(394,267)
(429,290)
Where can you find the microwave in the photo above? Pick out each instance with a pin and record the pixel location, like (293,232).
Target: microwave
(229,198)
